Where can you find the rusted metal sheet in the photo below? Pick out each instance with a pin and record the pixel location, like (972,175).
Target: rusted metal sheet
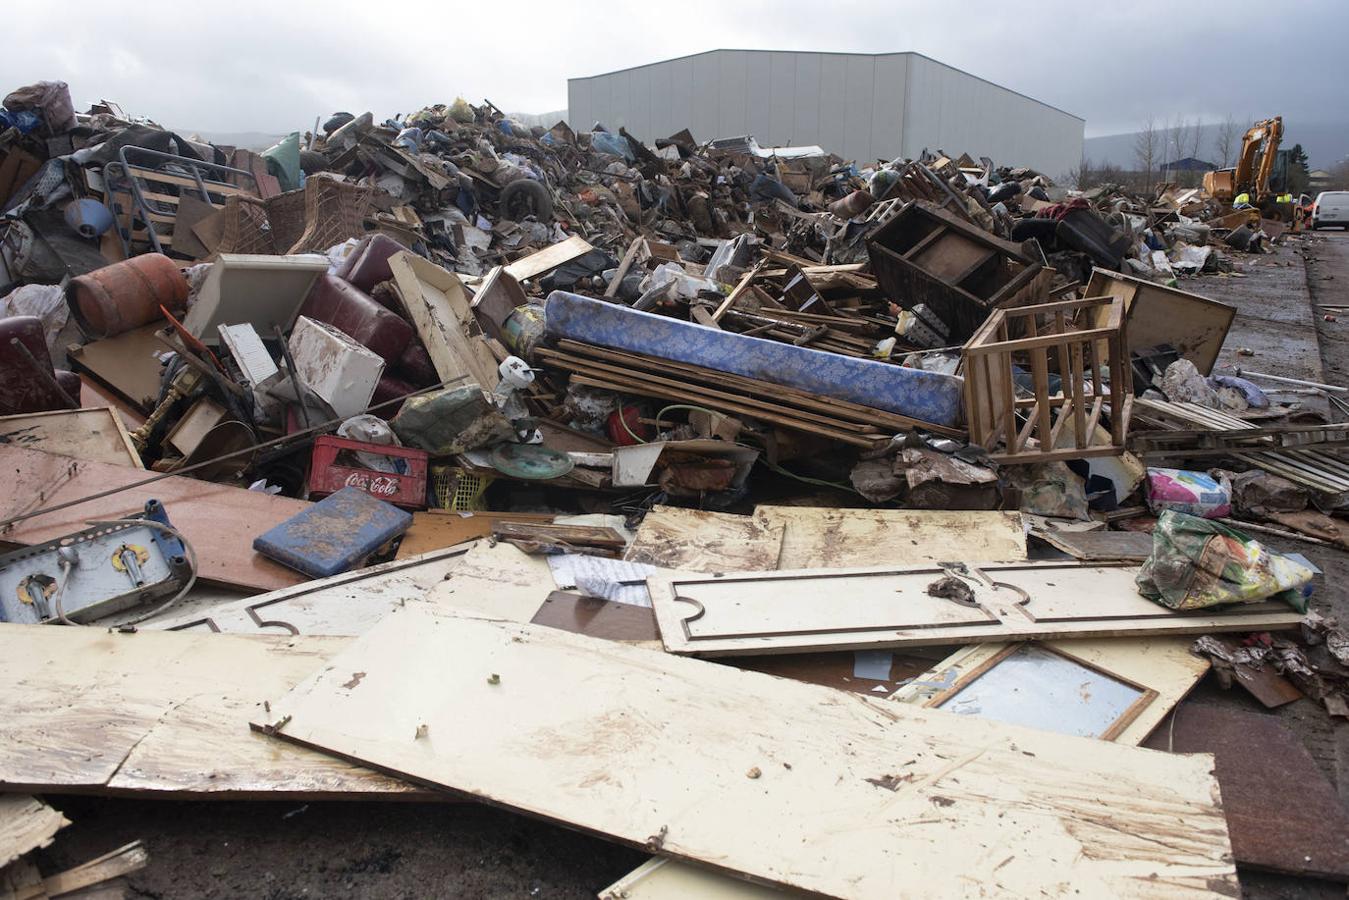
(219,520)
(1282,813)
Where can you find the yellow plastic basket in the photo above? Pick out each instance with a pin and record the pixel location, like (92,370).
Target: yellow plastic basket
(458,489)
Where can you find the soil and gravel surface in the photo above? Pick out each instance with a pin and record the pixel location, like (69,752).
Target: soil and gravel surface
(280,851)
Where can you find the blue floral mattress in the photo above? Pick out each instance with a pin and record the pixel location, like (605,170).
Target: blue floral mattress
(929,396)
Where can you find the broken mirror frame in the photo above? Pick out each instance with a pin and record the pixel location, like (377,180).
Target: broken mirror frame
(1000,687)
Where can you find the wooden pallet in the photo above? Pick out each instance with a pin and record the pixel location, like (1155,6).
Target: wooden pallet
(1317,469)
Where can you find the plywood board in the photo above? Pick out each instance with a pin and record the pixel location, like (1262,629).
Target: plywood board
(26,824)
(790,784)
(858,609)
(1155,314)
(496,580)
(94,395)
(160,713)
(127,364)
(438,528)
(1164,666)
(1282,813)
(347,604)
(818,537)
(196,508)
(699,541)
(95,435)
(549,258)
(435,300)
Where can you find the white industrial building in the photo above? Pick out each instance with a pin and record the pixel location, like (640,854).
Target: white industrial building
(861,106)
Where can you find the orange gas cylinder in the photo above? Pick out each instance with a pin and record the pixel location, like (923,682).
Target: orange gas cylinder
(126,295)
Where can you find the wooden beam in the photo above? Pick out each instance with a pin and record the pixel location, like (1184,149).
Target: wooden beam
(624,265)
(549,258)
(745,281)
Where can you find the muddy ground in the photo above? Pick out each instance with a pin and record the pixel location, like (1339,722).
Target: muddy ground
(280,851)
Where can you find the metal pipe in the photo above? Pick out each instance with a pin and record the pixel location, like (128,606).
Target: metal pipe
(288,361)
(1242,373)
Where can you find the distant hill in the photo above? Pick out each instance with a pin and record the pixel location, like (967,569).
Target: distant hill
(1325,144)
(249,140)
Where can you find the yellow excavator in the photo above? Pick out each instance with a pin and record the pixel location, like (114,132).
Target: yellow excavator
(1260,142)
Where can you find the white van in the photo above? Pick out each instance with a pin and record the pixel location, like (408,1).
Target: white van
(1331,208)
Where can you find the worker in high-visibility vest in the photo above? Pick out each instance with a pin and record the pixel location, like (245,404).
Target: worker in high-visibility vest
(1284,198)
(1242,199)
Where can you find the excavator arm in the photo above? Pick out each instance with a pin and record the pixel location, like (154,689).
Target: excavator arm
(1273,129)
(1224,184)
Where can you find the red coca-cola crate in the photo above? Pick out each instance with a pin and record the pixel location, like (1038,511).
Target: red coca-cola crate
(326,477)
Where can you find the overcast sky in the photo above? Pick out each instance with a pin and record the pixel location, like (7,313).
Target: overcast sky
(272,67)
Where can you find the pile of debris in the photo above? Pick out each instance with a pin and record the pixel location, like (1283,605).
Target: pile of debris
(510,430)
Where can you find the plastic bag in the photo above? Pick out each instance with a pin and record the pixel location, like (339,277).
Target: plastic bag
(50,100)
(1194,493)
(1198,563)
(372,430)
(451,421)
(283,161)
(612,144)
(461,112)
(685,285)
(46,301)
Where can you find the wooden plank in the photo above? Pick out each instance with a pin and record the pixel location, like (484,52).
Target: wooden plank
(196,508)
(646,381)
(435,529)
(161,713)
(624,265)
(876,608)
(648,389)
(822,538)
(94,435)
(123,861)
(439,308)
(26,824)
(745,281)
(703,316)
(576,535)
(786,783)
(549,258)
(1099,546)
(785,396)
(127,364)
(700,541)
(213,187)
